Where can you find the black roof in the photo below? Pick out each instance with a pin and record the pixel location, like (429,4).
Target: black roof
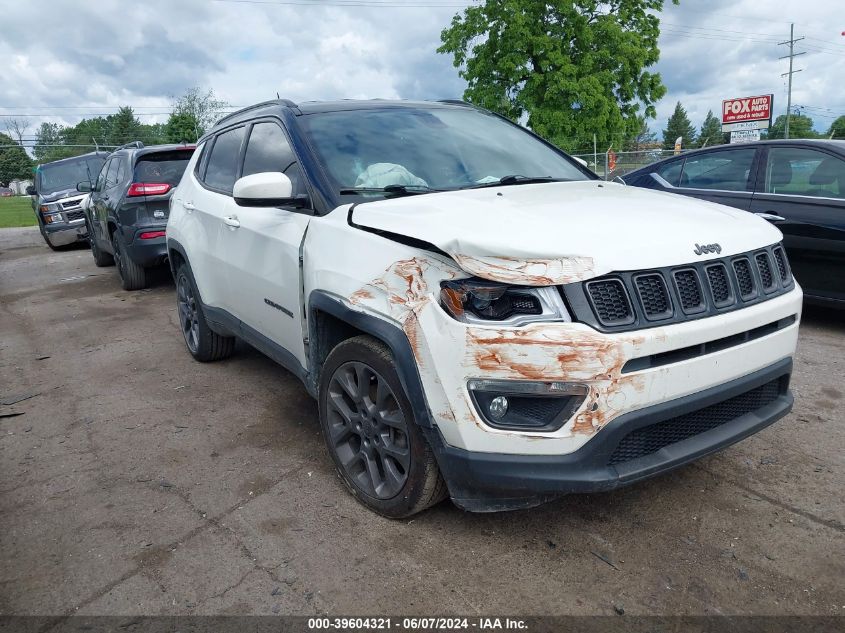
(153,149)
(312,107)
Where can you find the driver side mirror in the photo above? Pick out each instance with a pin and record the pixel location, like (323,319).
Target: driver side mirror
(84,186)
(267,189)
(30,190)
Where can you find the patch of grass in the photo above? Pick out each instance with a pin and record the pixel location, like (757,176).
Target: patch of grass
(16,211)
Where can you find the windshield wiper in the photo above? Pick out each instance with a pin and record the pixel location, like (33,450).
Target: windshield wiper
(516,179)
(396,190)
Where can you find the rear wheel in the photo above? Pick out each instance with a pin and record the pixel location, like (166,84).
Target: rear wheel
(101,259)
(378,449)
(132,275)
(203,343)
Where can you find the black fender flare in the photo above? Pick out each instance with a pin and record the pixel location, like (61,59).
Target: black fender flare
(391,335)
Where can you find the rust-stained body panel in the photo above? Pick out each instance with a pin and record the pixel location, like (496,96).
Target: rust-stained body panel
(404,287)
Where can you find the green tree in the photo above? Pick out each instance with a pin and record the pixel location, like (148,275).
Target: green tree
(48,136)
(800,126)
(679,125)
(568,68)
(182,126)
(123,127)
(837,128)
(711,131)
(203,107)
(642,138)
(14,161)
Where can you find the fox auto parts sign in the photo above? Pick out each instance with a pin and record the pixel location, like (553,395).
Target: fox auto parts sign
(747,113)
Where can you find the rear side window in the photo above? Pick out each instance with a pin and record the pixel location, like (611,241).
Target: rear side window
(268,150)
(111,175)
(804,172)
(727,170)
(222,169)
(162,167)
(101,178)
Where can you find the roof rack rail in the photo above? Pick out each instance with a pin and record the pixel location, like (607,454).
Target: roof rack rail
(455,102)
(283,102)
(134,144)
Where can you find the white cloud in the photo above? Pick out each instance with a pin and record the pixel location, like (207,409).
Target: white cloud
(111,52)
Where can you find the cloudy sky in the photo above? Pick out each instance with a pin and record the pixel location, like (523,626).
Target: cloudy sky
(64,59)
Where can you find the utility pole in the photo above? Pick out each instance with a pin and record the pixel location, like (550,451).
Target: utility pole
(792,54)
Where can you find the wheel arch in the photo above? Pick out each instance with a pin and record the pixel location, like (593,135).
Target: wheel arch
(330,322)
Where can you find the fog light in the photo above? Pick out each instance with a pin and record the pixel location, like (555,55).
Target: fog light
(498,407)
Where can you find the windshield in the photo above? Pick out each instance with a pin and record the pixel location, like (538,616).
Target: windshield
(163,167)
(57,176)
(436,148)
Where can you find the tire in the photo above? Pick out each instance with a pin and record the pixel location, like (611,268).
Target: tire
(47,239)
(369,428)
(132,275)
(101,259)
(204,344)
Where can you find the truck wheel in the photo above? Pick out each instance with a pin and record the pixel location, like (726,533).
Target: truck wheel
(47,239)
(204,344)
(101,259)
(377,447)
(132,276)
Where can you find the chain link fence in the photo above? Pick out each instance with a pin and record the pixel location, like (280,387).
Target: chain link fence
(610,164)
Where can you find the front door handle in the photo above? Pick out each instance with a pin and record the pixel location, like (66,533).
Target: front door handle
(231,221)
(771,217)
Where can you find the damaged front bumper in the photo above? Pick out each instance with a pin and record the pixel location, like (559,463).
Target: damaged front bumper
(630,448)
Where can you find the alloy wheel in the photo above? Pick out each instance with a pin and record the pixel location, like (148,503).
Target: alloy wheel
(368,430)
(188,313)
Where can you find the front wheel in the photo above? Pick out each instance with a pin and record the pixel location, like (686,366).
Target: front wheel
(377,447)
(132,275)
(101,259)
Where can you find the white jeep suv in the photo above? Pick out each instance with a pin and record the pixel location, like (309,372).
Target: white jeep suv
(476,314)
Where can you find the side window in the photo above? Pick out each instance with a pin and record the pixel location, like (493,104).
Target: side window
(268,150)
(804,172)
(101,177)
(202,151)
(222,169)
(727,170)
(671,173)
(111,174)
(121,172)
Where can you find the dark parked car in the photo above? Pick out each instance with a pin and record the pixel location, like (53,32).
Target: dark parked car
(57,202)
(798,185)
(128,209)
(5,192)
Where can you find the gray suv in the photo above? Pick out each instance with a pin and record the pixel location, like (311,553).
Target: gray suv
(56,201)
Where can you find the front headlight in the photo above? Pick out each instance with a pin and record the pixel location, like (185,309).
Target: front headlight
(480,301)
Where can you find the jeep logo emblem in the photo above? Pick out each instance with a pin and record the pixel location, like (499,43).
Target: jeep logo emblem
(707,248)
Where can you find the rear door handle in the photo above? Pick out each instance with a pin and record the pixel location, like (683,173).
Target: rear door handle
(231,221)
(189,206)
(771,217)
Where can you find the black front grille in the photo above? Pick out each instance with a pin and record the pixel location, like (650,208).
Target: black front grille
(650,439)
(654,297)
(745,278)
(631,300)
(610,302)
(720,286)
(783,269)
(74,215)
(71,204)
(765,268)
(689,290)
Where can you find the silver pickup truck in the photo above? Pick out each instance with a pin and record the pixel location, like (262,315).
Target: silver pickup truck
(56,201)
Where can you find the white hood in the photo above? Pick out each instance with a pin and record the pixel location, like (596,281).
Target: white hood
(554,233)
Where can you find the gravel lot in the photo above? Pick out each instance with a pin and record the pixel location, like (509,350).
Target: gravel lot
(138,481)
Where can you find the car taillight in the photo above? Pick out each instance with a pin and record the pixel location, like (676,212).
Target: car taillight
(150,235)
(147,189)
